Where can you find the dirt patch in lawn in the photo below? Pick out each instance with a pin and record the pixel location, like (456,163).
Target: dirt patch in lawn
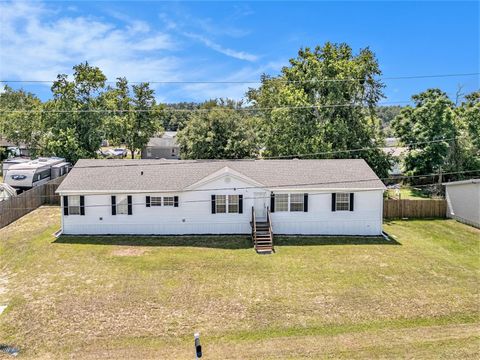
(130,251)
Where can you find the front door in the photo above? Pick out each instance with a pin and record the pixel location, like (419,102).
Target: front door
(260,205)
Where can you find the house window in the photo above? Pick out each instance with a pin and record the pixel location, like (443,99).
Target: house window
(74,205)
(220,204)
(168,201)
(342,202)
(233,203)
(281,202)
(296,202)
(155,201)
(122,205)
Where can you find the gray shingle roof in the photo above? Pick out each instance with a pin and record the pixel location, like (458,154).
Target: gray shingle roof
(175,175)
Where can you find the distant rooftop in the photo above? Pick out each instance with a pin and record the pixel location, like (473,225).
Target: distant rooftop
(167,140)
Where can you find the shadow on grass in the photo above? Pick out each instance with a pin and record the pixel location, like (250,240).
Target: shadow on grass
(222,242)
(207,241)
(333,240)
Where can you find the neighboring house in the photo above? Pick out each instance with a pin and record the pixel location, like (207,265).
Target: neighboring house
(312,197)
(165,147)
(463,201)
(14,149)
(398,154)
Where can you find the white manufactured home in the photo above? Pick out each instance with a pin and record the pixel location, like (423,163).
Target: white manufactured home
(263,197)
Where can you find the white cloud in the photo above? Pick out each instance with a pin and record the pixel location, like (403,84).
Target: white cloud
(241,55)
(39,40)
(35,45)
(205,91)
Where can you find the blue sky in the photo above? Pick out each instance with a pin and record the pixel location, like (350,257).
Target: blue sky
(235,41)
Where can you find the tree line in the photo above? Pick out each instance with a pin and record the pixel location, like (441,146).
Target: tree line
(324,103)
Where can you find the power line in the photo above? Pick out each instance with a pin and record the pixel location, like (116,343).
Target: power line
(356,150)
(329,182)
(169,109)
(259,81)
(323,192)
(201,109)
(285,186)
(285,157)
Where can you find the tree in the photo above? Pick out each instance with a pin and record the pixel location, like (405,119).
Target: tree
(74,117)
(132,120)
(469,121)
(325,101)
(434,134)
(219,132)
(20,118)
(119,103)
(386,114)
(176,116)
(469,112)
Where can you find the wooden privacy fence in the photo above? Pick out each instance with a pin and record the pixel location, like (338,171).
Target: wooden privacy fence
(393,209)
(17,206)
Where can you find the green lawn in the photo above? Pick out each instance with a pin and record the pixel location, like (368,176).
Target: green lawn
(409,194)
(78,297)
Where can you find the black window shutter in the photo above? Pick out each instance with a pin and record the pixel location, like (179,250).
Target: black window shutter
(240,204)
(213,204)
(147,201)
(305,202)
(334,200)
(65,205)
(82,205)
(272,202)
(175,201)
(114,205)
(129,202)
(351,201)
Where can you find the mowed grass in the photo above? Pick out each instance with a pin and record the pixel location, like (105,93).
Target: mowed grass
(106,297)
(409,194)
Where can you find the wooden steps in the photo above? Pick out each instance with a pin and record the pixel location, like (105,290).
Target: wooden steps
(262,234)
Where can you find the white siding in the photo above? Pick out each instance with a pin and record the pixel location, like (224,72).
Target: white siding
(366,219)
(463,202)
(193,215)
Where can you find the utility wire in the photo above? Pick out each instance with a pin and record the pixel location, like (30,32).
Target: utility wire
(327,182)
(273,78)
(117,111)
(285,186)
(323,192)
(281,157)
(355,150)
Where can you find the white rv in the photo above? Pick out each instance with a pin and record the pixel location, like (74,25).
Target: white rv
(7,163)
(26,175)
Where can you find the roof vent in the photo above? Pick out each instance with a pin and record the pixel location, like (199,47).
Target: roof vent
(141,172)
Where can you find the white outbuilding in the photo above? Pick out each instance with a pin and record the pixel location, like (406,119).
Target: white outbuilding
(463,201)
